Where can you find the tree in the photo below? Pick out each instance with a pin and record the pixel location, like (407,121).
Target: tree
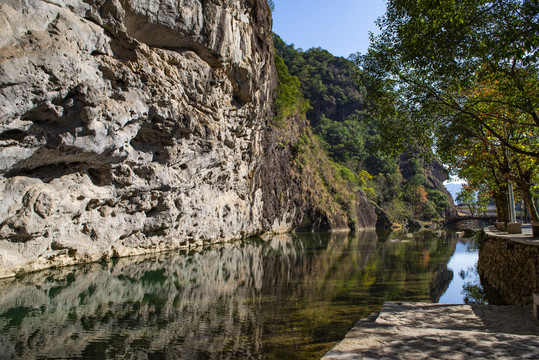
(289,100)
(487,166)
(467,196)
(439,200)
(431,63)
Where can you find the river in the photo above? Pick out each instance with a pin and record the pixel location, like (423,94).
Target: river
(286,297)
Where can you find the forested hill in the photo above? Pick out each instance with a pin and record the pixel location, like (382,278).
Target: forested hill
(405,186)
(327,81)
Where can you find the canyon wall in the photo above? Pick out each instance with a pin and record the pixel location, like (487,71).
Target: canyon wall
(129,127)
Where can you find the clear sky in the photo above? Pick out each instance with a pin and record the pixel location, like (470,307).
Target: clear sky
(339,26)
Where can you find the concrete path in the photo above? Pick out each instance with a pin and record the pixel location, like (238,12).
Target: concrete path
(438,331)
(525,238)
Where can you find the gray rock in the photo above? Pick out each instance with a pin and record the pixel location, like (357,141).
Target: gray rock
(382,219)
(129,126)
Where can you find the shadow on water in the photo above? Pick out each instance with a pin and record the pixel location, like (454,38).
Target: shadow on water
(291,296)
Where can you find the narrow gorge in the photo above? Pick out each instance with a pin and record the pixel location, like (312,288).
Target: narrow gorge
(131,127)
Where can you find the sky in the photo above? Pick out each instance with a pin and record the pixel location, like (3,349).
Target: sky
(339,26)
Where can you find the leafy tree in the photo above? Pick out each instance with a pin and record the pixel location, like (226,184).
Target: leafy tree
(488,167)
(437,63)
(417,179)
(417,195)
(289,100)
(468,197)
(439,200)
(428,210)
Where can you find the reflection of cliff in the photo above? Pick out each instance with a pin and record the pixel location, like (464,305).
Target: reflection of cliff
(136,307)
(327,260)
(440,283)
(417,268)
(442,275)
(240,300)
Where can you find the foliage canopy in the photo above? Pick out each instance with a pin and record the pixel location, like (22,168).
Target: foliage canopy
(471,63)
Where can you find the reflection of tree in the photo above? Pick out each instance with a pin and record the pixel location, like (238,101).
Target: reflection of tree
(241,300)
(418,269)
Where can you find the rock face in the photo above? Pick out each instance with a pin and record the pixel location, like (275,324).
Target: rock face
(131,126)
(435,175)
(300,187)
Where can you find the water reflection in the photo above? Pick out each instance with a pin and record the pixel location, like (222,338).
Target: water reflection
(463,263)
(288,297)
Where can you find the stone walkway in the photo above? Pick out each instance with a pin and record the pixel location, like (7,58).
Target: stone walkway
(524,238)
(439,331)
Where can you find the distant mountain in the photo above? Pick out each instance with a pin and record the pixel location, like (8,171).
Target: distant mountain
(453,189)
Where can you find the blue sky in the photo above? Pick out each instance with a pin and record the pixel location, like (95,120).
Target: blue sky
(339,26)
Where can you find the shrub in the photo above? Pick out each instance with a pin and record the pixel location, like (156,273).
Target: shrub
(289,101)
(428,211)
(417,179)
(439,199)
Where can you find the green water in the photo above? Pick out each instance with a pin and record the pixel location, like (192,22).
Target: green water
(287,297)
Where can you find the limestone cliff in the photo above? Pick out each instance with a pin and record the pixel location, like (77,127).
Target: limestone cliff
(131,126)
(435,175)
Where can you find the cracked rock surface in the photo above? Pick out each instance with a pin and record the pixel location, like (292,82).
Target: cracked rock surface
(129,126)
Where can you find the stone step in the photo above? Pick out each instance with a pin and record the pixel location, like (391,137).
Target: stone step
(440,331)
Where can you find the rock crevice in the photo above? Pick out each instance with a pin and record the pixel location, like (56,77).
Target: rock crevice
(129,127)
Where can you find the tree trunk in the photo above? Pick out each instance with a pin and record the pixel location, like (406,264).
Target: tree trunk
(502,207)
(527,197)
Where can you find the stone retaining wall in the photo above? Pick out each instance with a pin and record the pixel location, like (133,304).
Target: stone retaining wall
(509,271)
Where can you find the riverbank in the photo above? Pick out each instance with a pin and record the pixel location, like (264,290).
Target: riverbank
(441,331)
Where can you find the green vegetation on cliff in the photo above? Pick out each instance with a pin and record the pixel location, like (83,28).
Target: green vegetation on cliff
(350,136)
(289,101)
(332,190)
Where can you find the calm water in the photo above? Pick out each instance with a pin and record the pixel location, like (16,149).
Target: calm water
(290,297)
(463,263)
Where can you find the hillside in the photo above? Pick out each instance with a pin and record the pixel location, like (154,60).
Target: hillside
(405,186)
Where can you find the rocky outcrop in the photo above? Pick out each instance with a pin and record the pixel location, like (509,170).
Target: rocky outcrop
(301,188)
(382,219)
(129,127)
(434,172)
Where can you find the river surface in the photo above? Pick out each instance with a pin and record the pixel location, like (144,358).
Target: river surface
(286,297)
